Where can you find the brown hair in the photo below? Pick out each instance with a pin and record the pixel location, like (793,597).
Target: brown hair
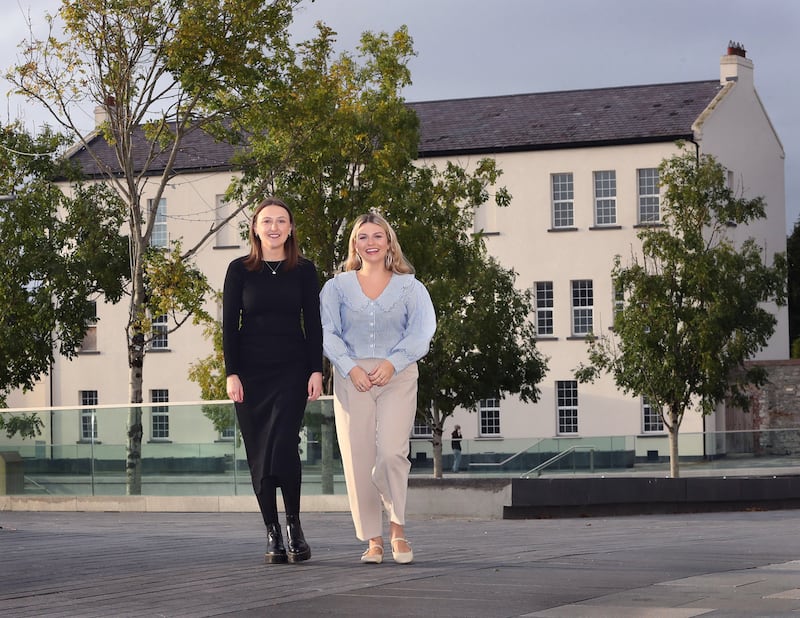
(395,260)
(254,261)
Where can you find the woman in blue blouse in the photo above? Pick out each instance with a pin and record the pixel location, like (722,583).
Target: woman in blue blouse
(377,322)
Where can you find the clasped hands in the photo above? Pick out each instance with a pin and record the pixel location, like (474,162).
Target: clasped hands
(379,376)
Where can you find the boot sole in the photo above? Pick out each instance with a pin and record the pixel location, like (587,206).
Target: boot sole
(299,557)
(275,558)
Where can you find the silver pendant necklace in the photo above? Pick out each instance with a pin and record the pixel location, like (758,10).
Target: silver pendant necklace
(274,271)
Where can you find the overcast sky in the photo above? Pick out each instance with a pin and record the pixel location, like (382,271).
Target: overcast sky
(469,48)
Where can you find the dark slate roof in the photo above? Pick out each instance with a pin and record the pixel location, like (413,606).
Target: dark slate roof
(538,121)
(567,119)
(199,152)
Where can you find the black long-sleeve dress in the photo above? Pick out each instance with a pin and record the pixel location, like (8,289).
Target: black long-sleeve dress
(272,339)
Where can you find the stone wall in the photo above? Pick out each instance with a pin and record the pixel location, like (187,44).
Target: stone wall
(771,425)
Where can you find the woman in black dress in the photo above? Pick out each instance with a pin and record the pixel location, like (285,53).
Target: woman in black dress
(272,342)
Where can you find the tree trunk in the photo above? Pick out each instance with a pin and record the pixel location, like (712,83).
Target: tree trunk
(136,352)
(327,433)
(674,427)
(437,452)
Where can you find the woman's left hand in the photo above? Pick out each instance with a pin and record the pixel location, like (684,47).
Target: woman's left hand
(314,386)
(381,375)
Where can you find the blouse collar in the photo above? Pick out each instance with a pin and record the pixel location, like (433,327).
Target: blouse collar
(394,291)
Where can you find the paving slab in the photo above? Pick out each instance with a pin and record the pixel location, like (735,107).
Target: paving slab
(210,564)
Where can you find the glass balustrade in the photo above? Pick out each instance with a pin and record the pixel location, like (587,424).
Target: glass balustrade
(193,449)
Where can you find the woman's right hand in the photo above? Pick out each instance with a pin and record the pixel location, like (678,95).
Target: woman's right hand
(233,385)
(360,379)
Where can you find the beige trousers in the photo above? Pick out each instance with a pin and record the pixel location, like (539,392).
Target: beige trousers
(373,429)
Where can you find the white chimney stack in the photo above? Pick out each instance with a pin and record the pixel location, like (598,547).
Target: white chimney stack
(735,66)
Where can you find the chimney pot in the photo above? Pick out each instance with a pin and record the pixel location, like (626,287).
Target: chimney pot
(736,49)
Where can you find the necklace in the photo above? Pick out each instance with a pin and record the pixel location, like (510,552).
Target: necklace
(274,271)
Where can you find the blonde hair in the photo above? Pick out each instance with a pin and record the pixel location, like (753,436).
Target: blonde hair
(395,260)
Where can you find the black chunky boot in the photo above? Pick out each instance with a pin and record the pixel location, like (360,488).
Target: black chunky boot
(297,548)
(276,552)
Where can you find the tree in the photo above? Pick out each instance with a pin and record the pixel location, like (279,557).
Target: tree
(793,259)
(59,254)
(347,131)
(354,142)
(693,310)
(485,343)
(209,374)
(161,69)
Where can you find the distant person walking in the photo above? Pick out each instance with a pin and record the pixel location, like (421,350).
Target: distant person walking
(455,444)
(272,342)
(377,320)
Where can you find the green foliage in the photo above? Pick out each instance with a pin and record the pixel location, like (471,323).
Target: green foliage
(485,343)
(170,68)
(693,308)
(59,253)
(209,374)
(24,425)
(352,142)
(338,143)
(793,259)
(175,288)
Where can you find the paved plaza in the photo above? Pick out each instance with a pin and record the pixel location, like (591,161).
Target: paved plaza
(210,564)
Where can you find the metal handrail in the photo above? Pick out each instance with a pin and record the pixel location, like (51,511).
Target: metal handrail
(27,479)
(490,464)
(538,469)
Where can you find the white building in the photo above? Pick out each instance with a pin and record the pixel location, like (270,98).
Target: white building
(581,167)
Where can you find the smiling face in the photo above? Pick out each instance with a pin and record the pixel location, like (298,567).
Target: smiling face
(371,243)
(272,226)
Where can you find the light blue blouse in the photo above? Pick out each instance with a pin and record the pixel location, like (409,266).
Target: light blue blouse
(398,325)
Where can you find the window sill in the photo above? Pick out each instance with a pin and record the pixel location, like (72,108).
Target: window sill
(159,441)
(546,338)
(159,350)
(652,224)
(485,233)
(89,442)
(488,438)
(88,352)
(654,434)
(595,228)
(224,247)
(578,337)
(562,229)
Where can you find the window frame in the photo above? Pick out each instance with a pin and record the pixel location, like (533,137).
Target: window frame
(604,183)
(421,430)
(89,341)
(562,196)
(545,307)
(159,335)
(159,415)
(88,415)
(582,306)
(650,418)
(567,407)
(618,299)
(489,417)
(159,237)
(645,198)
